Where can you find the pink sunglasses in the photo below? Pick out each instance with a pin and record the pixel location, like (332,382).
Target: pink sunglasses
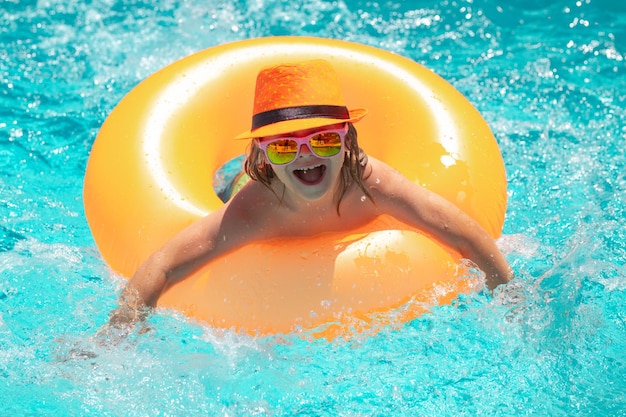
(325,144)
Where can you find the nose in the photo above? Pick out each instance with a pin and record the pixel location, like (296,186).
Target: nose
(304,149)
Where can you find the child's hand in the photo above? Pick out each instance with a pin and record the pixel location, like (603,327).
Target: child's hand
(130,311)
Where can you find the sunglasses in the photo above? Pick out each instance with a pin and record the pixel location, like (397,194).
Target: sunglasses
(284,150)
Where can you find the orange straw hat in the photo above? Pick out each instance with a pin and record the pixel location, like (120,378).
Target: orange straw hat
(292,97)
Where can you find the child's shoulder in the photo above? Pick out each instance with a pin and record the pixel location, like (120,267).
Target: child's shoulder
(376,170)
(253,196)
(383,180)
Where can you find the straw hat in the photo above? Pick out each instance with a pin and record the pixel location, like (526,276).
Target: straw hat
(298,96)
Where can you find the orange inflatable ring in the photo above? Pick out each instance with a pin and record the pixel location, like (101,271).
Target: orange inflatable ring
(150,171)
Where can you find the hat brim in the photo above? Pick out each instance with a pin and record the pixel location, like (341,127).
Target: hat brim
(300,124)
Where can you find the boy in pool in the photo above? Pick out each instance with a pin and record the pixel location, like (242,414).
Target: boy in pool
(308,176)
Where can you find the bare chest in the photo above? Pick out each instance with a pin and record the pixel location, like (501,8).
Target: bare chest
(307,223)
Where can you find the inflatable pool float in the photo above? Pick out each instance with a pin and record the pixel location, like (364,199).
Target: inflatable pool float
(151,167)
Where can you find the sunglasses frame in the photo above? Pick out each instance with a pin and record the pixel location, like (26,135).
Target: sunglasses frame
(304,140)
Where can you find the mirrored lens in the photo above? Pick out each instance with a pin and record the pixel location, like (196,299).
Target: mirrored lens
(282,151)
(326,144)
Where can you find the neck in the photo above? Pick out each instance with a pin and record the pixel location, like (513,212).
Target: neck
(297,203)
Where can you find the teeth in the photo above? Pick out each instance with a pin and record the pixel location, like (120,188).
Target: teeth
(306,169)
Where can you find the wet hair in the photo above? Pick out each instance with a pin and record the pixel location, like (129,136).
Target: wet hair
(259,169)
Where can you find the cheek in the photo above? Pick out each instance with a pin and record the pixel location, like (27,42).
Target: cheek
(334,166)
(337,161)
(280,172)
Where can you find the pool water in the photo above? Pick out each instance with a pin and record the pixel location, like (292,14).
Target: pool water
(550,79)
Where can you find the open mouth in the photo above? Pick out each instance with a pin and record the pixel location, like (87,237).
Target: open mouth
(312,175)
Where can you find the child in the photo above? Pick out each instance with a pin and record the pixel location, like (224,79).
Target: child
(308,176)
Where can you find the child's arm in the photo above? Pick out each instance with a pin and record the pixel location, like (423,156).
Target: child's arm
(395,195)
(200,242)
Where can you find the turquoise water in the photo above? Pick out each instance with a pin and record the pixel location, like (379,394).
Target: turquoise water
(549,77)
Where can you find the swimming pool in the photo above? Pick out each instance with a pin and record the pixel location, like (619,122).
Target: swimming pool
(550,81)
